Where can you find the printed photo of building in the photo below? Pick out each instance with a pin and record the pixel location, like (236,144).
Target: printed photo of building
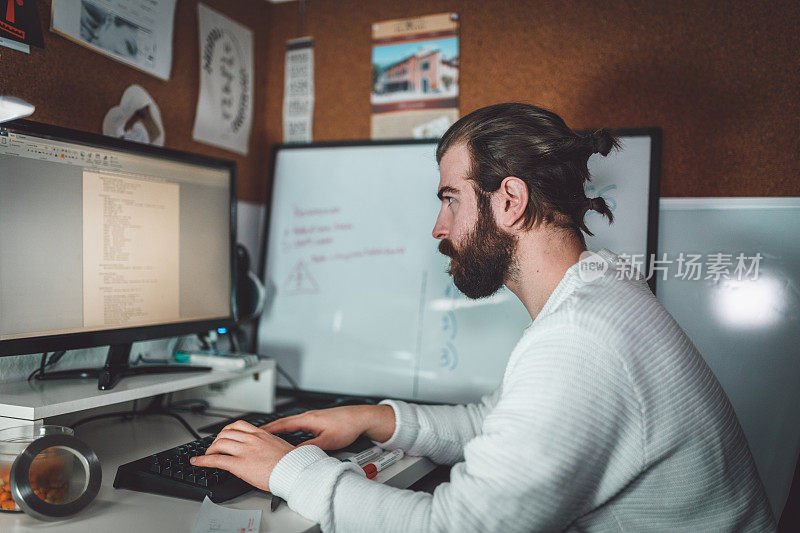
(423,72)
(415,71)
(414,89)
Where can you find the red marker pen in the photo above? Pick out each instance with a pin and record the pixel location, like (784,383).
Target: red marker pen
(387,459)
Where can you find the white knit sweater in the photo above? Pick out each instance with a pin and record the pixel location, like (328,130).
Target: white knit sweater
(607,419)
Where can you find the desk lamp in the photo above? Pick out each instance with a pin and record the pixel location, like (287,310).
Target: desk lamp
(12,108)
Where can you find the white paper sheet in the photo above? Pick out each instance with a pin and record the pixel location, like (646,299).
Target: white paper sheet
(225,106)
(136,118)
(135,32)
(298,94)
(214,518)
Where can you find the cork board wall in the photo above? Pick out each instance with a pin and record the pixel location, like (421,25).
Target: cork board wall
(74,87)
(720,78)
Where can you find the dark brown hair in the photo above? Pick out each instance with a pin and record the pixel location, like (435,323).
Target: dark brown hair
(536,146)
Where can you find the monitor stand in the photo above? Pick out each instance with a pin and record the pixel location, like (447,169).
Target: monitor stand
(117,367)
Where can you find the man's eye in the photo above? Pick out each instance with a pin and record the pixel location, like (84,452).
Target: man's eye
(448,199)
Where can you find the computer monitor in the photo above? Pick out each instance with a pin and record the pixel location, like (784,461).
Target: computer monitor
(361,302)
(108,242)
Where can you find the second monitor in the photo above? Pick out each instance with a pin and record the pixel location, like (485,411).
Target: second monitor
(107,242)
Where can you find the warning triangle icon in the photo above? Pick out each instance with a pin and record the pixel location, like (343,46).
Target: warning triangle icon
(300,281)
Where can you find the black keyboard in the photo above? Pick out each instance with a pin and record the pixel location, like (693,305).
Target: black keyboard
(169,473)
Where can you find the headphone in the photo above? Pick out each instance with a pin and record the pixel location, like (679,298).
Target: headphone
(250,293)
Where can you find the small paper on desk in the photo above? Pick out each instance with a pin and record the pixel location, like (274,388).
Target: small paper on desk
(215,518)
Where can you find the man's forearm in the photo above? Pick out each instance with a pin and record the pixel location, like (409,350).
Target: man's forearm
(379,422)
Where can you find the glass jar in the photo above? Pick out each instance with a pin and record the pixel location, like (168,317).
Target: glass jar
(49,473)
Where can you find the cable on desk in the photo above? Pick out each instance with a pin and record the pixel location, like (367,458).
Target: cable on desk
(124,414)
(201,404)
(196,406)
(185,424)
(204,412)
(54,358)
(41,367)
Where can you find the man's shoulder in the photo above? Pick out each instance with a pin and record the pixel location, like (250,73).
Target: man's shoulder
(614,320)
(614,310)
(562,346)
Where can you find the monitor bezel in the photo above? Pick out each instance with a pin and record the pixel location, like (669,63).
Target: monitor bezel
(90,339)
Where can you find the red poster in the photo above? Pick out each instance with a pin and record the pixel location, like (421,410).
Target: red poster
(19,22)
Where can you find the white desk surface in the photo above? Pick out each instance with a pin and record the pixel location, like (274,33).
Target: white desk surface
(123,511)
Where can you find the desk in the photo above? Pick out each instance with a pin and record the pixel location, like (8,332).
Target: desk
(123,511)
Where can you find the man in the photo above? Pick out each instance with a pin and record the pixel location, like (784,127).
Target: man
(607,418)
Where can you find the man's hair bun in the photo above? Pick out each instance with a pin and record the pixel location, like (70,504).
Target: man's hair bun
(602,141)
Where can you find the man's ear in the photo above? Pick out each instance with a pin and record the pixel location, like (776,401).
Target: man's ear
(511,200)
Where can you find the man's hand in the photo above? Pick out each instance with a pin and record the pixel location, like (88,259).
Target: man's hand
(337,427)
(245,451)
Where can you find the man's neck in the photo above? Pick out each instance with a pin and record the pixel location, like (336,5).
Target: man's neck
(541,259)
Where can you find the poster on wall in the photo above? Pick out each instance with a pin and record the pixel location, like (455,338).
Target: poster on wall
(20,26)
(135,32)
(414,76)
(298,91)
(225,105)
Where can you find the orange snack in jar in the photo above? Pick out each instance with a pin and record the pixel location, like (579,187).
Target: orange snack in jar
(6,501)
(46,476)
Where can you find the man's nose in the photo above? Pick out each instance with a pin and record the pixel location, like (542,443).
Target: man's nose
(439,229)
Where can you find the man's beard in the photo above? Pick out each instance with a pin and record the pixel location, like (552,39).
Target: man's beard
(485,259)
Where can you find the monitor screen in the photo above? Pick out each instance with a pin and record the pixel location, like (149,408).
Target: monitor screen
(100,236)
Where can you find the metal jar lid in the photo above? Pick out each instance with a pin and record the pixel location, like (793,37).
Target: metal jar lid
(23,494)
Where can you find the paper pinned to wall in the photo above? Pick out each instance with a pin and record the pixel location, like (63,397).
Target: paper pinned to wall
(298,93)
(214,518)
(135,32)
(415,76)
(225,106)
(136,118)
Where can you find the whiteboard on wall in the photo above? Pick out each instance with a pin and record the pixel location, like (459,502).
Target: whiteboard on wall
(360,299)
(747,328)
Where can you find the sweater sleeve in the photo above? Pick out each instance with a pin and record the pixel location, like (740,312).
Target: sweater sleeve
(565,436)
(438,432)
